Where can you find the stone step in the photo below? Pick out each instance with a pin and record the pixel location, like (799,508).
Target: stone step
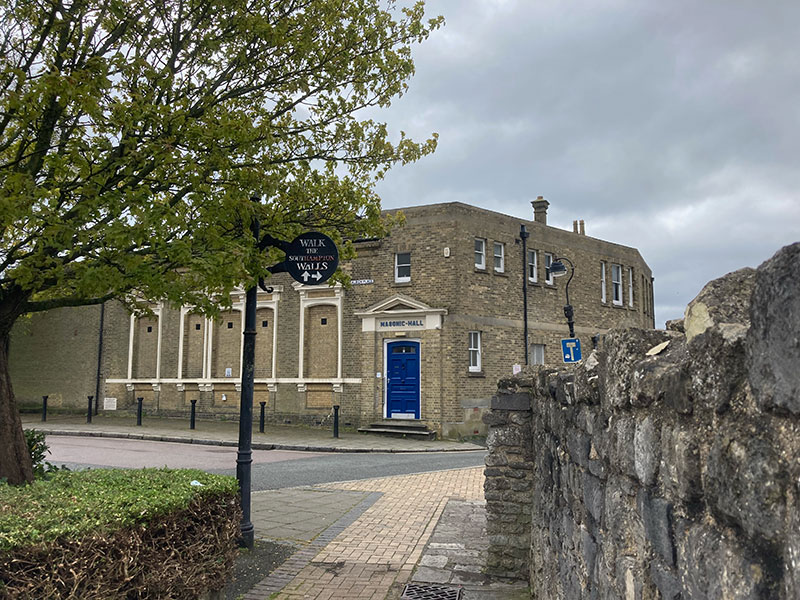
(398,428)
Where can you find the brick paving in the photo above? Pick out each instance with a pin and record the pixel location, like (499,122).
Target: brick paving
(370,554)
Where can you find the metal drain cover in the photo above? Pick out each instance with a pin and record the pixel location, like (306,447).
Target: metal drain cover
(428,591)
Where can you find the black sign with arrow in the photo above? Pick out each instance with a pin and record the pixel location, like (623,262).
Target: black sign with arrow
(311,258)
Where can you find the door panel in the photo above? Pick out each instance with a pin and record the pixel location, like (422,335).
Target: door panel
(402,374)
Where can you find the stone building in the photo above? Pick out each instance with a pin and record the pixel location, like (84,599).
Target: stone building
(434,316)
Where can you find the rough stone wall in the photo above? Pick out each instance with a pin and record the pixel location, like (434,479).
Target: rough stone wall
(666,465)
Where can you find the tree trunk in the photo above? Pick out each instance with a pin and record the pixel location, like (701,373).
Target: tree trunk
(15,461)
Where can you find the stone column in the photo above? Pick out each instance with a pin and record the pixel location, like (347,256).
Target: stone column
(509,479)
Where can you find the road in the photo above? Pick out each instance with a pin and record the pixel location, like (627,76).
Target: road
(272,469)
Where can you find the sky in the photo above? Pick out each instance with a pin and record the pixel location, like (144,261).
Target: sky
(670,126)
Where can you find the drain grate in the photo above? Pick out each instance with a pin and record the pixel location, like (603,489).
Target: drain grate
(427,591)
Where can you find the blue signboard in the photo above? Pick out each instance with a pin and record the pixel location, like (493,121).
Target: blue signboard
(571,350)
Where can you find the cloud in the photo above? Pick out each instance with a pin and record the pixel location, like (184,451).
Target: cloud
(673,127)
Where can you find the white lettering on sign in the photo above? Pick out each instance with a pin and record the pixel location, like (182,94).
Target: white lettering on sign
(404,323)
(312,243)
(362,281)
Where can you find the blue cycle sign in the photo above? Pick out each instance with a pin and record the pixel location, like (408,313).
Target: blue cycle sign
(571,350)
(311,258)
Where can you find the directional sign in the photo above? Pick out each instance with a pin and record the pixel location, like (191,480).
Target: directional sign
(312,258)
(571,350)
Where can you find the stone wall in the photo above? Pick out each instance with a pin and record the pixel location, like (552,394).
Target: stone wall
(666,465)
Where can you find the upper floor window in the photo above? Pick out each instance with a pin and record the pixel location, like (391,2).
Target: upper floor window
(630,287)
(402,267)
(616,284)
(480,253)
(499,257)
(602,281)
(548,276)
(537,354)
(474,351)
(532,266)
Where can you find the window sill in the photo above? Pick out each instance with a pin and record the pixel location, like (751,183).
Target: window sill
(479,270)
(480,374)
(401,284)
(500,273)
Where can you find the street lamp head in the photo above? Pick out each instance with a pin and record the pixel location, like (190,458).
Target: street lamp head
(557,268)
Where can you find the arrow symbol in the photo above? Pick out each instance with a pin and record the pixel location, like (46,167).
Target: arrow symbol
(317,275)
(304,276)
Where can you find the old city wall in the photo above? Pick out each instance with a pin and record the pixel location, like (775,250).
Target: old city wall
(666,465)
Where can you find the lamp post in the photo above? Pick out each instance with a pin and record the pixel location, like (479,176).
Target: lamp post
(557,269)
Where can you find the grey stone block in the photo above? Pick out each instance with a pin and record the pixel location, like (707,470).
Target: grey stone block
(746,481)
(773,341)
(657,520)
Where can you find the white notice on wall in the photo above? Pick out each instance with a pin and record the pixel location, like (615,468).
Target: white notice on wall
(228,372)
(516,369)
(109,404)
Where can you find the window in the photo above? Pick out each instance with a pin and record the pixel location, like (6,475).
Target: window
(537,354)
(480,253)
(548,260)
(499,257)
(474,351)
(402,267)
(616,284)
(602,281)
(630,287)
(532,266)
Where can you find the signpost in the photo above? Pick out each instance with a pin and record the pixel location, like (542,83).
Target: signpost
(571,350)
(311,258)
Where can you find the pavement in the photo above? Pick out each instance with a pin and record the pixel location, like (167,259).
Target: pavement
(226,433)
(408,536)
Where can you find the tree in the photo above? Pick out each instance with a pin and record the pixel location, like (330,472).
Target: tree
(134,132)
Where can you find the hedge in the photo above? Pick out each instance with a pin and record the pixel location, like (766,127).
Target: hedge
(118,534)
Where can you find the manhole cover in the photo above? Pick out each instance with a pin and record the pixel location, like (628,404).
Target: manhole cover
(427,591)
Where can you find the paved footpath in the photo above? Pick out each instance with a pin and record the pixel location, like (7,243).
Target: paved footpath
(226,433)
(371,552)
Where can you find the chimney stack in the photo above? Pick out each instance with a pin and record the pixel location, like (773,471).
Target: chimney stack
(540,210)
(582,229)
(574,227)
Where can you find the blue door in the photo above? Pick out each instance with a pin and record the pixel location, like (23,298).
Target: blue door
(402,380)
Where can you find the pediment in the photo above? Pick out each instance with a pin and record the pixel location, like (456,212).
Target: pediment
(400,313)
(399,303)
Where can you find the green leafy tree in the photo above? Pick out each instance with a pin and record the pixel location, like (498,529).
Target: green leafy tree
(134,132)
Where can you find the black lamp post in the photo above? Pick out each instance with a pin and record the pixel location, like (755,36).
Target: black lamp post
(244,455)
(557,269)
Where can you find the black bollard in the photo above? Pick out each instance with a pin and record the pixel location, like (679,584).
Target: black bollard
(44,408)
(89,413)
(139,411)
(261,419)
(336,420)
(191,418)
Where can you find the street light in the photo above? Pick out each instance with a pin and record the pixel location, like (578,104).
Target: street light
(557,269)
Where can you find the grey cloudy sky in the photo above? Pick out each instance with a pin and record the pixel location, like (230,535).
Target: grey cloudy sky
(669,125)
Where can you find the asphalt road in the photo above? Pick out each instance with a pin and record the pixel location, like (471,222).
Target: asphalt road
(271,469)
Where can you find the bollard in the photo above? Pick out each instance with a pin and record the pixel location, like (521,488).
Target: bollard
(261,418)
(139,411)
(44,408)
(89,413)
(191,418)
(336,420)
